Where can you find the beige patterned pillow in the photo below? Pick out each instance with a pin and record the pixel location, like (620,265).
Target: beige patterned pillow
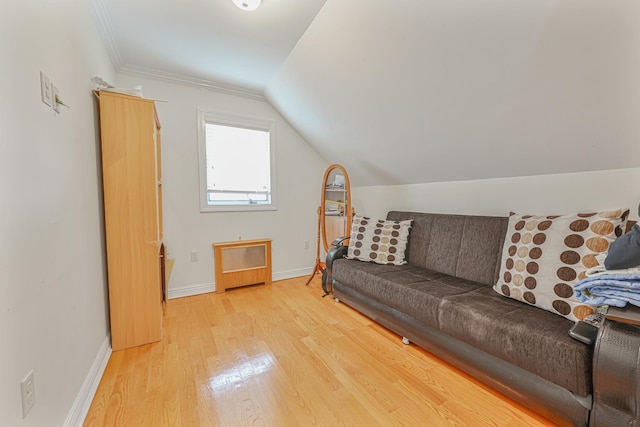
(544,256)
(382,242)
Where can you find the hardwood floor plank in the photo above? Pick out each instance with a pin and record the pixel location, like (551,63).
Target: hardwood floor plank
(281,355)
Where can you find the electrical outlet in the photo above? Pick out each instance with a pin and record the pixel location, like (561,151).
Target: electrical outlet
(306,244)
(194,256)
(28,388)
(45,89)
(54,97)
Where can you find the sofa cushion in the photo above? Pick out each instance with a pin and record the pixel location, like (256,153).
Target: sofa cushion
(379,241)
(413,290)
(464,246)
(544,256)
(532,339)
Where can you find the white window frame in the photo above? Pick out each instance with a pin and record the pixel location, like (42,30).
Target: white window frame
(225,119)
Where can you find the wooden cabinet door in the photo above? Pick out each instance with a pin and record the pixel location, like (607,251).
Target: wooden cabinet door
(130,168)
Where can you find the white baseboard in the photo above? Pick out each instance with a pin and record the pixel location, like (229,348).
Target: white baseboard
(292,273)
(187,291)
(80,407)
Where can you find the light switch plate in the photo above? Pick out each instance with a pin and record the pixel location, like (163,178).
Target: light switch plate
(45,89)
(54,96)
(28,390)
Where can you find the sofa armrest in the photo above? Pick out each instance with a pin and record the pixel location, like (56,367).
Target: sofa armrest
(616,373)
(339,250)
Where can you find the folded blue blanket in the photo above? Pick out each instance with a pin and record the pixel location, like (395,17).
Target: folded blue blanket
(609,289)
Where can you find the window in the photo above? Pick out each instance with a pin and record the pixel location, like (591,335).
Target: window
(237,163)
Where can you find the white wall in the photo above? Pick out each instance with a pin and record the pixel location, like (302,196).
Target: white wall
(299,178)
(543,194)
(53,309)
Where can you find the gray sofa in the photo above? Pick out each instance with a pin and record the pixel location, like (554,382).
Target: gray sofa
(443,301)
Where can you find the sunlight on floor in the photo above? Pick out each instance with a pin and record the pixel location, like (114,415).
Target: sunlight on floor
(246,370)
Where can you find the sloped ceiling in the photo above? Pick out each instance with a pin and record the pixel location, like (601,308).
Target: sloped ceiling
(411,91)
(441,90)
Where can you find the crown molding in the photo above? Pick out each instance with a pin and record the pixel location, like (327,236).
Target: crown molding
(105,30)
(103,25)
(192,81)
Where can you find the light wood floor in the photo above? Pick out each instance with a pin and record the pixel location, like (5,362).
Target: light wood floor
(281,355)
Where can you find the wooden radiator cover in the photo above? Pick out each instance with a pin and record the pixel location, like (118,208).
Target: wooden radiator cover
(241,263)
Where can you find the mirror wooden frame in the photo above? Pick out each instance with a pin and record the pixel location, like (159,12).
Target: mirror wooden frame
(330,173)
(344,209)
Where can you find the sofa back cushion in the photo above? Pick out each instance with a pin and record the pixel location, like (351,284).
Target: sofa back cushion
(465,246)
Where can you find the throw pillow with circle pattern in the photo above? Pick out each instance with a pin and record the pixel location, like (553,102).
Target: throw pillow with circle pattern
(544,256)
(379,241)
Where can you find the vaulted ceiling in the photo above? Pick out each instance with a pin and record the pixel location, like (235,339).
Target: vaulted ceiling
(412,91)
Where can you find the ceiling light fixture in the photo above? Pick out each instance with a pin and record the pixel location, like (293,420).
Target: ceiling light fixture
(247,5)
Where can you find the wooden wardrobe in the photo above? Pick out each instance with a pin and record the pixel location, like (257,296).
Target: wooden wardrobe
(132,187)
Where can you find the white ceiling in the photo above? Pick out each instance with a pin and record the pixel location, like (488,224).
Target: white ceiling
(413,91)
(203,40)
